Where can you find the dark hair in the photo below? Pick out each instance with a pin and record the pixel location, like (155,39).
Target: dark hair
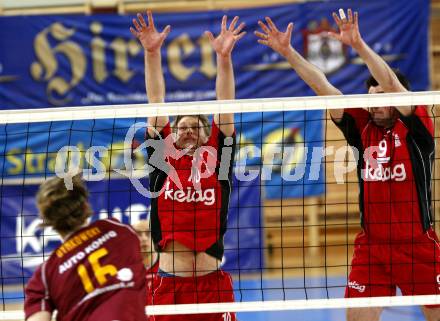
(202,118)
(62,209)
(371,82)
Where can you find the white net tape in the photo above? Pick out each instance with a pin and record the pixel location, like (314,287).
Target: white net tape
(217,107)
(288,305)
(291,305)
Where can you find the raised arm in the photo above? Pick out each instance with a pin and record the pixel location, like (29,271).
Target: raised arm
(223,45)
(312,75)
(349,34)
(151,40)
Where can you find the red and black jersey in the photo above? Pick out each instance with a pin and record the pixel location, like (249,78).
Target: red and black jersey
(96,274)
(194,190)
(394,171)
(151,271)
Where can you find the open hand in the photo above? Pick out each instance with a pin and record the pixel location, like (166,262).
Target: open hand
(225,41)
(273,38)
(348,28)
(147,35)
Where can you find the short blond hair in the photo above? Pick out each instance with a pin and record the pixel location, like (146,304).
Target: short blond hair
(62,209)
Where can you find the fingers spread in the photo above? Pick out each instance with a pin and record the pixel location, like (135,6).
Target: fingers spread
(261,35)
(141,20)
(239,28)
(166,30)
(337,20)
(241,35)
(271,24)
(224,20)
(263,42)
(289,29)
(136,25)
(233,23)
(210,35)
(263,26)
(133,32)
(150,19)
(342,15)
(350,16)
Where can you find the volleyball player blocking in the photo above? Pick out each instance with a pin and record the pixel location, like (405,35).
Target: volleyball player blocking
(188,218)
(397,246)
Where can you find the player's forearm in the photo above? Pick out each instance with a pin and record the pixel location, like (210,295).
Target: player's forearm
(311,75)
(315,78)
(154,79)
(225,82)
(225,89)
(383,73)
(155,86)
(379,69)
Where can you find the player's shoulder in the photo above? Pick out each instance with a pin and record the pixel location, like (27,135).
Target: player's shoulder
(44,270)
(113,223)
(421,111)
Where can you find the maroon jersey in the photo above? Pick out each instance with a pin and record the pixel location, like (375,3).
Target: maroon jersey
(194,213)
(394,171)
(96,274)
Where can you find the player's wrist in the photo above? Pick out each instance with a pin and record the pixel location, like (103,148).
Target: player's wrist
(224,58)
(152,52)
(358,45)
(286,52)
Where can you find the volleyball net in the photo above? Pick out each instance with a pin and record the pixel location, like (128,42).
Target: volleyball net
(293,212)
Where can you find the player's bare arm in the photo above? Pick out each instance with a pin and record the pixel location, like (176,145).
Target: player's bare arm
(280,42)
(349,34)
(40,316)
(223,45)
(152,41)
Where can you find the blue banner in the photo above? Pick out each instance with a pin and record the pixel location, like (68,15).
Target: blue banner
(24,244)
(72,60)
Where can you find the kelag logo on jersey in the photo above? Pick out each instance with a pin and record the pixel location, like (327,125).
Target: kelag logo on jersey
(190,195)
(381,168)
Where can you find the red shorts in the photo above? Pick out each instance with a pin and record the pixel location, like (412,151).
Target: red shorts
(377,268)
(214,287)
